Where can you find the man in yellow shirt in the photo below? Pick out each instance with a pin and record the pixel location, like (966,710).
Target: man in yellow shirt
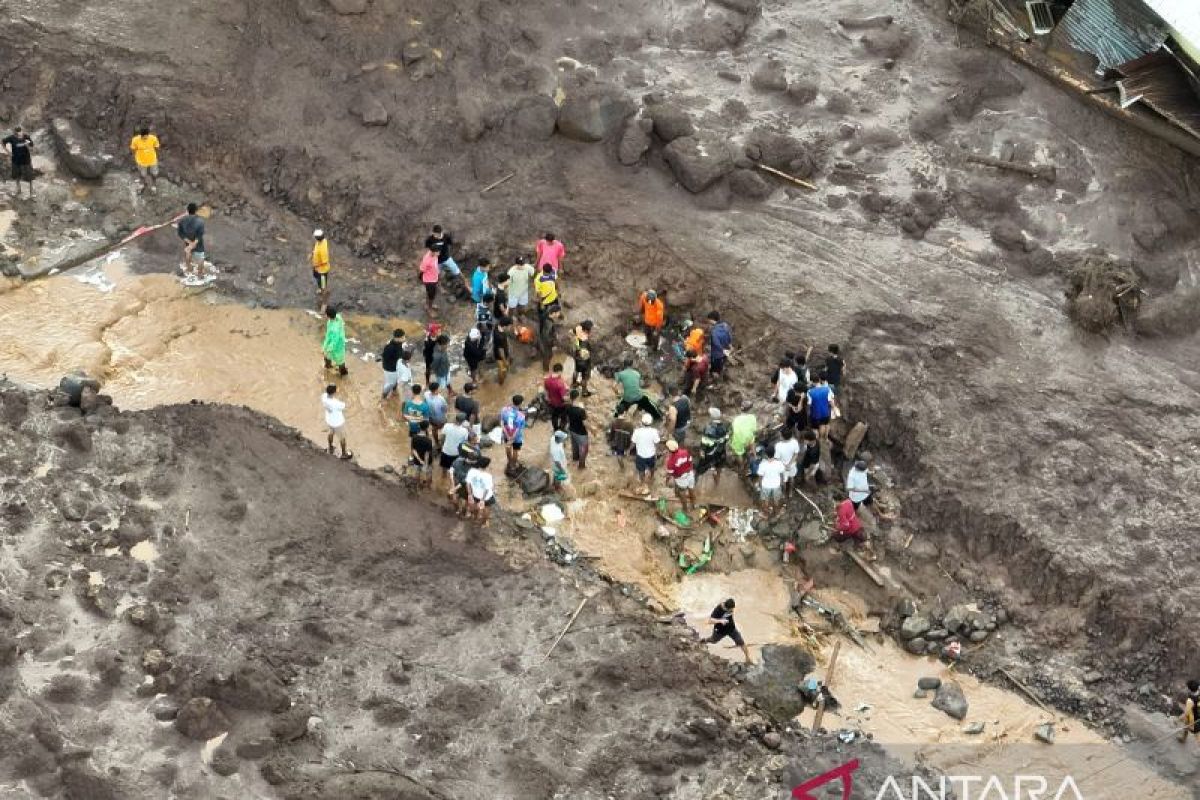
(145,154)
(320,267)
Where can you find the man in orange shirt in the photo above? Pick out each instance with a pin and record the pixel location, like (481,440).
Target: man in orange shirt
(145,154)
(654,316)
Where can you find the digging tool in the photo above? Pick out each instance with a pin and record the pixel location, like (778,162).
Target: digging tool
(570,622)
(1041,172)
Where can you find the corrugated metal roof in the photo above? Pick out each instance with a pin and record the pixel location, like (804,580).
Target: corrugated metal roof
(1161,83)
(1114,31)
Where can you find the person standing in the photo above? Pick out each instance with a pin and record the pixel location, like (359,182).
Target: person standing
(501,348)
(19,147)
(335,420)
(454,434)
(810,462)
(420,457)
(560,478)
(723,625)
(620,432)
(679,415)
(481,283)
(550,251)
(582,354)
(787,450)
(858,485)
(745,428)
(500,296)
(1191,711)
(628,386)
(821,404)
(441,242)
(720,337)
(848,525)
(696,338)
(438,408)
(144,146)
(474,353)
(482,488)
(429,347)
(794,417)
(547,333)
(391,358)
(576,416)
(334,346)
(520,278)
(835,369)
(645,441)
(441,363)
(713,442)
(546,289)
(512,429)
(430,275)
(682,473)
(191,231)
(770,489)
(415,410)
(555,389)
(784,381)
(465,403)
(459,494)
(654,316)
(695,370)
(320,267)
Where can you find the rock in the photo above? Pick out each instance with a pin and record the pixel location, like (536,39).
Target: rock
(921,694)
(1092,677)
(155,661)
(916,646)
(256,748)
(534,118)
(937,634)
(89,400)
(1045,733)
(906,607)
(370,110)
(780,151)
(201,719)
(951,700)
(635,141)
(975,728)
(254,687)
(349,6)
(769,76)
(1007,235)
(697,162)
(956,618)
(978,636)
(729,75)
(291,724)
(73,385)
(887,43)
(803,92)
(914,626)
(671,122)
(750,184)
(593,114)
(413,52)
(741,6)
(929,683)
(78,154)
(772,740)
(224,759)
(164,709)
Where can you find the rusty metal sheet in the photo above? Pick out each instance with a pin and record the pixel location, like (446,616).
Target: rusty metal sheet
(1160,82)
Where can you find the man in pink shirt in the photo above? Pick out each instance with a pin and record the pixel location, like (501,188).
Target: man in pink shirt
(550,251)
(429,277)
(556,397)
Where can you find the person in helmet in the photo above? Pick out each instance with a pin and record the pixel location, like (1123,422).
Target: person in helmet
(654,316)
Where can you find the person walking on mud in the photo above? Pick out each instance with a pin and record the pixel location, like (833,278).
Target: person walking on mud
(560,476)
(19,146)
(428,347)
(720,338)
(645,441)
(681,474)
(474,353)
(335,420)
(627,384)
(555,390)
(334,346)
(520,279)
(581,352)
(577,426)
(144,146)
(723,625)
(482,488)
(191,231)
(654,316)
(441,242)
(512,430)
(395,364)
(320,267)
(430,275)
(501,349)
(441,363)
(437,407)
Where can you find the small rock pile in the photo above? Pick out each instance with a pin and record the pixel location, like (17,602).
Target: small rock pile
(931,633)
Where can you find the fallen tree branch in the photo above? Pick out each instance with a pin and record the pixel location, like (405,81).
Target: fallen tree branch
(570,622)
(494,184)
(1043,172)
(786,177)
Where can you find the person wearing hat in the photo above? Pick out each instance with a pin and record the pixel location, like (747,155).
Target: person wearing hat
(713,441)
(474,353)
(654,316)
(320,267)
(681,473)
(334,346)
(645,441)
(723,625)
(558,462)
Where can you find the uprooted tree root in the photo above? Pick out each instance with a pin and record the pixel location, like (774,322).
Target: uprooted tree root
(1102,293)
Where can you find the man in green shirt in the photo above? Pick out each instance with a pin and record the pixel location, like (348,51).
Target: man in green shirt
(334,346)
(745,428)
(628,386)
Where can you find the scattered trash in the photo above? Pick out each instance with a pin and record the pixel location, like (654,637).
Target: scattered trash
(863,707)
(636,339)
(1045,733)
(551,513)
(846,737)
(741,522)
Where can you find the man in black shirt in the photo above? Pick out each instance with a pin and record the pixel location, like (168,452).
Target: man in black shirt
(440,242)
(465,403)
(835,368)
(390,359)
(500,297)
(191,231)
(500,348)
(576,416)
(18,145)
(421,458)
(723,625)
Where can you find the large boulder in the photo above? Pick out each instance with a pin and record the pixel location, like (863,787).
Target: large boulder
(593,114)
(769,76)
(698,162)
(533,118)
(72,387)
(370,110)
(750,184)
(671,122)
(951,700)
(201,719)
(78,154)
(635,141)
(915,626)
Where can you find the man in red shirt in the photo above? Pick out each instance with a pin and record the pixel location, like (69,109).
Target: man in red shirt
(695,370)
(848,527)
(556,397)
(681,473)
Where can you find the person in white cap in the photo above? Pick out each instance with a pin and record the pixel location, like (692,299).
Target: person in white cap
(645,441)
(320,267)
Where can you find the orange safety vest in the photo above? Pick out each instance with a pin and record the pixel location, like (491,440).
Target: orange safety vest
(654,313)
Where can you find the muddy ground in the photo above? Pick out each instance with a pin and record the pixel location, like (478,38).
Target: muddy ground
(1047,471)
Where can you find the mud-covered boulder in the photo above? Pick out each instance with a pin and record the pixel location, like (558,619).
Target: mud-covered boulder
(76,150)
(593,114)
(769,75)
(201,719)
(698,162)
(749,184)
(72,386)
(951,700)
(370,111)
(635,140)
(533,118)
(671,122)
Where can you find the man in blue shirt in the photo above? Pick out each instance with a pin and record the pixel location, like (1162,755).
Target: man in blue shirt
(720,338)
(821,405)
(512,429)
(480,286)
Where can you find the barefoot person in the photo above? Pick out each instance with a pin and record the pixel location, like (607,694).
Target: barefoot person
(420,459)
(581,352)
(559,475)
(430,275)
(394,360)
(577,428)
(723,625)
(512,429)
(191,231)
(334,346)
(645,441)
(821,404)
(144,147)
(18,145)
(335,419)
(681,474)
(770,490)
(482,490)
(520,278)
(320,267)
(550,251)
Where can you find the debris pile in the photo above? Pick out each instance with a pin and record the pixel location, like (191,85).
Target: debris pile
(1102,293)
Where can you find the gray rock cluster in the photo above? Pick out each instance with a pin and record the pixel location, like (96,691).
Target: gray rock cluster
(930,633)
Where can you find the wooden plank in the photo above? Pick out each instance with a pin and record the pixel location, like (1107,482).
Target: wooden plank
(865,567)
(829,676)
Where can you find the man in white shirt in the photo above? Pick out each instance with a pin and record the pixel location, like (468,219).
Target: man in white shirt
(770,474)
(858,484)
(787,450)
(453,436)
(785,379)
(519,277)
(645,441)
(481,491)
(335,419)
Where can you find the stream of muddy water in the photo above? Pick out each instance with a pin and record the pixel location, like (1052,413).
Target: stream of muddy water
(153,342)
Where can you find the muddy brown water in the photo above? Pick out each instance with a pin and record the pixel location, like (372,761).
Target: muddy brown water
(155,342)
